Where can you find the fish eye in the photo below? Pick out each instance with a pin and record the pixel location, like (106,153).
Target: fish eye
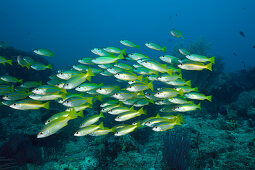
(116,132)
(37,89)
(67,101)
(76,132)
(61,73)
(67,84)
(149,122)
(100,88)
(41,133)
(7,96)
(156,127)
(149,94)
(14,104)
(118,117)
(118,74)
(48,121)
(158,93)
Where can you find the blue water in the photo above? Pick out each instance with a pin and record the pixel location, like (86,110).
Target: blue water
(72,28)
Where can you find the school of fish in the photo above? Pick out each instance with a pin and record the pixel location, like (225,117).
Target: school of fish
(73,88)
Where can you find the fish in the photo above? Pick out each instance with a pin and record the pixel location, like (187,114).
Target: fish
(242,34)
(128,76)
(186,107)
(67,74)
(129,43)
(80,67)
(100,132)
(195,66)
(156,66)
(184,51)
(31,84)
(176,33)
(17,95)
(22,62)
(110,107)
(115,50)
(5,89)
(119,110)
(107,59)
(137,56)
(126,129)
(179,82)
(39,66)
(4,61)
(88,129)
(29,105)
(91,120)
(44,52)
(47,89)
(123,95)
(197,96)
(11,79)
(78,79)
(167,93)
(85,87)
(79,108)
(155,47)
(136,87)
(107,89)
(53,96)
(200,58)
(77,101)
(29,60)
(168,59)
(123,66)
(178,100)
(163,126)
(87,61)
(129,115)
(166,77)
(110,102)
(63,114)
(100,52)
(55,125)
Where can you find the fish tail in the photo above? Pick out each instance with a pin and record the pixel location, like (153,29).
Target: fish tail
(72,114)
(138,46)
(124,51)
(101,125)
(101,115)
(180,75)
(53,54)
(180,118)
(212,60)
(209,66)
(9,62)
(138,125)
(89,78)
(181,92)
(100,98)
(169,71)
(164,49)
(113,129)
(209,98)
(80,113)
(140,77)
(121,56)
(150,85)
(28,66)
(199,106)
(101,84)
(40,83)
(46,105)
(3,64)
(132,108)
(141,111)
(63,95)
(21,80)
(90,100)
(196,89)
(152,101)
(90,72)
(188,83)
(64,91)
(49,66)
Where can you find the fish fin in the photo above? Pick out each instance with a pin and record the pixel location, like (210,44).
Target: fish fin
(21,80)
(12,88)
(196,89)
(101,125)
(121,56)
(180,118)
(124,51)
(9,62)
(101,115)
(46,105)
(3,64)
(209,66)
(188,83)
(164,49)
(180,75)
(150,85)
(90,100)
(72,114)
(138,125)
(49,66)
(181,92)
(89,78)
(209,98)
(40,83)
(80,113)
(152,101)
(140,93)
(63,95)
(132,108)
(169,71)
(199,106)
(90,72)
(138,46)
(140,77)
(64,91)
(212,60)
(113,129)
(156,72)
(101,84)
(53,54)
(100,98)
